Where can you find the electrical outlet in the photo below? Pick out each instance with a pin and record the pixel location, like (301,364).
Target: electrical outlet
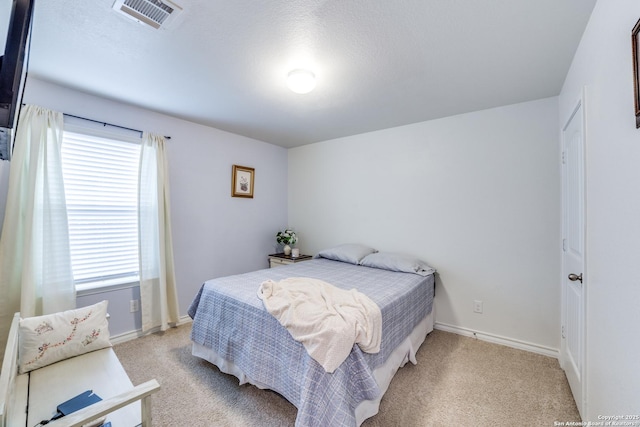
(477,306)
(134,305)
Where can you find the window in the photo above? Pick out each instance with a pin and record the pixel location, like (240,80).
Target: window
(101,188)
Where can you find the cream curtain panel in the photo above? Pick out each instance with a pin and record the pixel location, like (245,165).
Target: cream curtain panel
(35,262)
(158,294)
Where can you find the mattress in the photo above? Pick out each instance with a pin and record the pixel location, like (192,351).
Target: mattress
(232,328)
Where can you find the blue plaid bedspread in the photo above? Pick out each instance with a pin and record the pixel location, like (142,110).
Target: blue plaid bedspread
(229,318)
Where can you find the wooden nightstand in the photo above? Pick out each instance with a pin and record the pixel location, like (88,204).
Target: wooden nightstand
(276,260)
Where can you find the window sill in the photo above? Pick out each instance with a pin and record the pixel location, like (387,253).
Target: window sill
(106,286)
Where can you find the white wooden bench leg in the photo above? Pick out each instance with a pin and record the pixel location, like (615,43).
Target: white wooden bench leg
(145,409)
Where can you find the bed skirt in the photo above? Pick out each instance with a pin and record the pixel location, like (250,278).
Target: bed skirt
(405,352)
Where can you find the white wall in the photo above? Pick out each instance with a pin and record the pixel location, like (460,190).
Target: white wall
(214,234)
(476,195)
(603,64)
(5,166)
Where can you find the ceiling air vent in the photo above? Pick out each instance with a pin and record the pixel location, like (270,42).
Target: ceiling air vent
(154,13)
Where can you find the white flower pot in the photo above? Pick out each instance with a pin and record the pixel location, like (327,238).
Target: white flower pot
(287,250)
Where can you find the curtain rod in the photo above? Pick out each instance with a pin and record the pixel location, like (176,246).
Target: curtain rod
(103,123)
(108,124)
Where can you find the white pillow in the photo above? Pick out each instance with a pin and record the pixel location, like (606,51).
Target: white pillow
(397,262)
(48,339)
(349,252)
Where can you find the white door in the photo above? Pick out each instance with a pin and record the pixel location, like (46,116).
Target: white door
(573,245)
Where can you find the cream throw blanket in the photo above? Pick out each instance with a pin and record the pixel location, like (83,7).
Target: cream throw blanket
(325,319)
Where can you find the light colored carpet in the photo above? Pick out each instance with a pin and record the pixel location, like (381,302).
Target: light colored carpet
(458,381)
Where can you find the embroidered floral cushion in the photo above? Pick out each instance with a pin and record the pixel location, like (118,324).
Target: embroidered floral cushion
(48,339)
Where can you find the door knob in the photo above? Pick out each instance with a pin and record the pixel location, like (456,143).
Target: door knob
(574,277)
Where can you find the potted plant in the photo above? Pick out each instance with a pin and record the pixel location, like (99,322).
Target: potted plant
(287,237)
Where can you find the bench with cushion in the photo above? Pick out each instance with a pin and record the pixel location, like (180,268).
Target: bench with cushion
(50,359)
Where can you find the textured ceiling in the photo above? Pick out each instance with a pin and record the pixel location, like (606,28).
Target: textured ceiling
(379,63)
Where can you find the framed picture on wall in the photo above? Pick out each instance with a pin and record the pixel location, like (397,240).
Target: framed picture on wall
(635,45)
(242,181)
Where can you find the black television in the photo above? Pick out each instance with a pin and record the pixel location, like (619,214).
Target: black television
(12,62)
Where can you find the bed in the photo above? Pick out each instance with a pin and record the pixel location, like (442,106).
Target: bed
(233,330)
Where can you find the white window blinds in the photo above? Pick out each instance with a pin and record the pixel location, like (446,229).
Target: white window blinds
(101,189)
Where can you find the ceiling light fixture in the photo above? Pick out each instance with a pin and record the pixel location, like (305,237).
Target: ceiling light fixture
(301,81)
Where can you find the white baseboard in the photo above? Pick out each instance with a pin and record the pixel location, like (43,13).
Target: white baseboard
(128,336)
(492,338)
(497,339)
